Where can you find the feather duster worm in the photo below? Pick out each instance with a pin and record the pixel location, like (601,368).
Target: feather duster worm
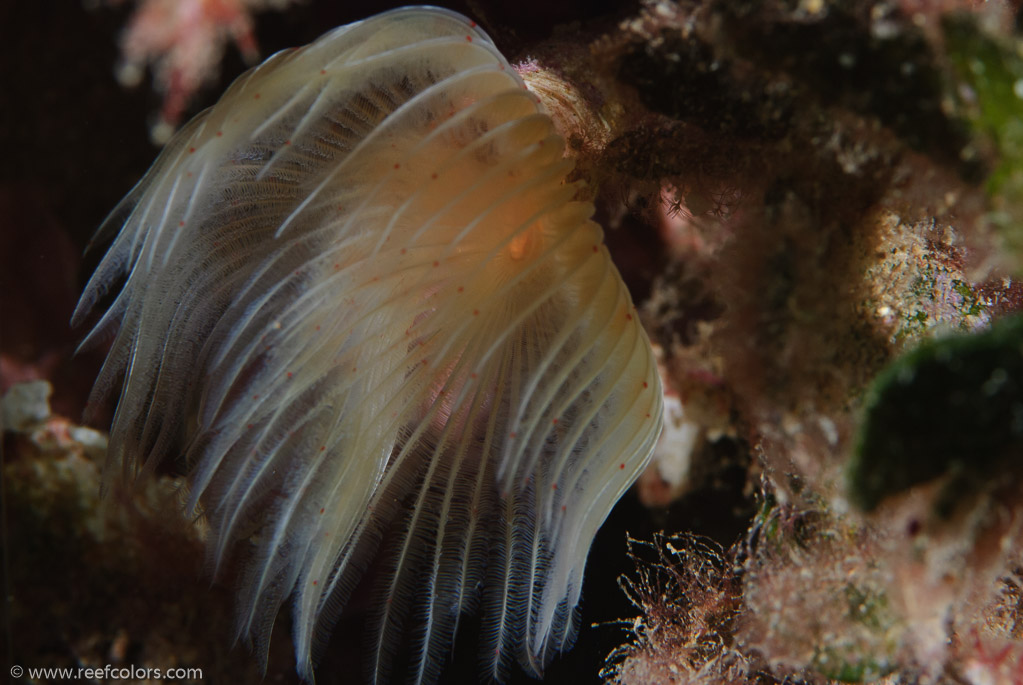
(359,297)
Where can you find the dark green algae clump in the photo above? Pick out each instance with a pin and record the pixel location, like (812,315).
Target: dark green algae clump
(951,407)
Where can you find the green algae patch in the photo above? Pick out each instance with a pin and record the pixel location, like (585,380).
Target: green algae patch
(991,69)
(952,406)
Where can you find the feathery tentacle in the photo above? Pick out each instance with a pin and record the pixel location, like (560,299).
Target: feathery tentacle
(362,301)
